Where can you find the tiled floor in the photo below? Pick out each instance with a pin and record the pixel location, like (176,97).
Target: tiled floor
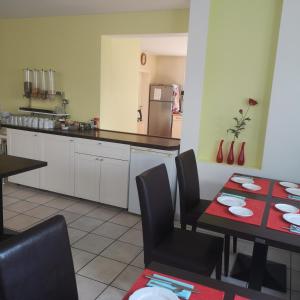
(107,241)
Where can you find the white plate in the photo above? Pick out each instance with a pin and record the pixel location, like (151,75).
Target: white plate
(231,201)
(293,191)
(251,186)
(288,184)
(241,211)
(286,208)
(151,293)
(292,218)
(240,179)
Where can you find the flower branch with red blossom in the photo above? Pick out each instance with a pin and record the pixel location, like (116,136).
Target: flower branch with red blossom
(241,120)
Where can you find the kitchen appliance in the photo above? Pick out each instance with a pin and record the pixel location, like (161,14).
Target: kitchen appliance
(161,105)
(143,159)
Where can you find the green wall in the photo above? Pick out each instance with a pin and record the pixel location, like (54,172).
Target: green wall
(242,41)
(71,46)
(119,88)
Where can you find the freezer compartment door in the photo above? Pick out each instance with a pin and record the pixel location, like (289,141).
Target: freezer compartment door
(160,119)
(161,93)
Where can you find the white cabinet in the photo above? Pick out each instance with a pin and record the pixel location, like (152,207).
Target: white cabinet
(143,159)
(25,144)
(101,172)
(58,152)
(87,177)
(114,182)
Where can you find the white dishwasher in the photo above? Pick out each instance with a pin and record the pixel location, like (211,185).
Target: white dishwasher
(143,159)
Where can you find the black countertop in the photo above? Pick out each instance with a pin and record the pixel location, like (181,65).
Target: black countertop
(111,136)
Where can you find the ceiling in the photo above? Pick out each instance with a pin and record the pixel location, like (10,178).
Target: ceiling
(41,8)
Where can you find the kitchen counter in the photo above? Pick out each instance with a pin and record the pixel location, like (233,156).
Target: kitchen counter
(111,136)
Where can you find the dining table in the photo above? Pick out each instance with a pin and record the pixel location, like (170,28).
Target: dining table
(207,288)
(9,166)
(265,228)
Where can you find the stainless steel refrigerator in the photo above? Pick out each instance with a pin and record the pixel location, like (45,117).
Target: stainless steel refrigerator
(160,110)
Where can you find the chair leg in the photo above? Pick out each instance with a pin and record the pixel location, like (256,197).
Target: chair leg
(194,227)
(234,244)
(219,269)
(226,254)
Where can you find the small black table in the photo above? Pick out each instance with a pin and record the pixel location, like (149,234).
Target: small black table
(260,272)
(229,289)
(12,165)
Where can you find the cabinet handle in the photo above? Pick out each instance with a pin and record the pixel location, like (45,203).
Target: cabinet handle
(99,143)
(97,158)
(35,135)
(101,159)
(71,141)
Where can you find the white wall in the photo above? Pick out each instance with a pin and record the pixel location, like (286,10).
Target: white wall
(282,144)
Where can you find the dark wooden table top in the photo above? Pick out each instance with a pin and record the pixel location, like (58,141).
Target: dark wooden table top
(12,165)
(250,232)
(229,289)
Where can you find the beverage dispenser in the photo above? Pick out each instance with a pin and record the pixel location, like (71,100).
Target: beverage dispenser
(27,82)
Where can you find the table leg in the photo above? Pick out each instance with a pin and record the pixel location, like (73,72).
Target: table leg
(258,266)
(1,208)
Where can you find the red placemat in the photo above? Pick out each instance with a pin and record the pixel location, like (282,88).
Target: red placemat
(263,183)
(257,206)
(206,292)
(237,297)
(276,222)
(280,192)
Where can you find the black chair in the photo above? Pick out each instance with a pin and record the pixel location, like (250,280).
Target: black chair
(191,251)
(191,206)
(37,264)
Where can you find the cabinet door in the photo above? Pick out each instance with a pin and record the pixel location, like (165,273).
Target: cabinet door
(25,144)
(114,182)
(87,176)
(58,152)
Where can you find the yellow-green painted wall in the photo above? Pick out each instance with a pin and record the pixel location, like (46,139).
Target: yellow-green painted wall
(242,41)
(71,46)
(119,88)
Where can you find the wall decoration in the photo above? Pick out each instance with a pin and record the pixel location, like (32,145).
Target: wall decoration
(143,58)
(240,124)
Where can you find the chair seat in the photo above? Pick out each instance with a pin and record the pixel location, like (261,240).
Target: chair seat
(203,251)
(193,215)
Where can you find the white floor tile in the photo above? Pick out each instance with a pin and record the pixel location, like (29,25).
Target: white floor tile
(110,230)
(112,293)
(81,258)
(104,212)
(121,251)
(93,243)
(126,219)
(133,236)
(102,269)
(75,234)
(86,223)
(20,222)
(88,289)
(126,279)
(22,206)
(42,212)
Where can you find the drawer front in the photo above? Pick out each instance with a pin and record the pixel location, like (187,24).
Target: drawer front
(105,149)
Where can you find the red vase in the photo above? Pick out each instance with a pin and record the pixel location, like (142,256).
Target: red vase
(220,153)
(230,157)
(241,159)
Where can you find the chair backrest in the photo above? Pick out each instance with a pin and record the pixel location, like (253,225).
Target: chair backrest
(188,181)
(37,264)
(156,207)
